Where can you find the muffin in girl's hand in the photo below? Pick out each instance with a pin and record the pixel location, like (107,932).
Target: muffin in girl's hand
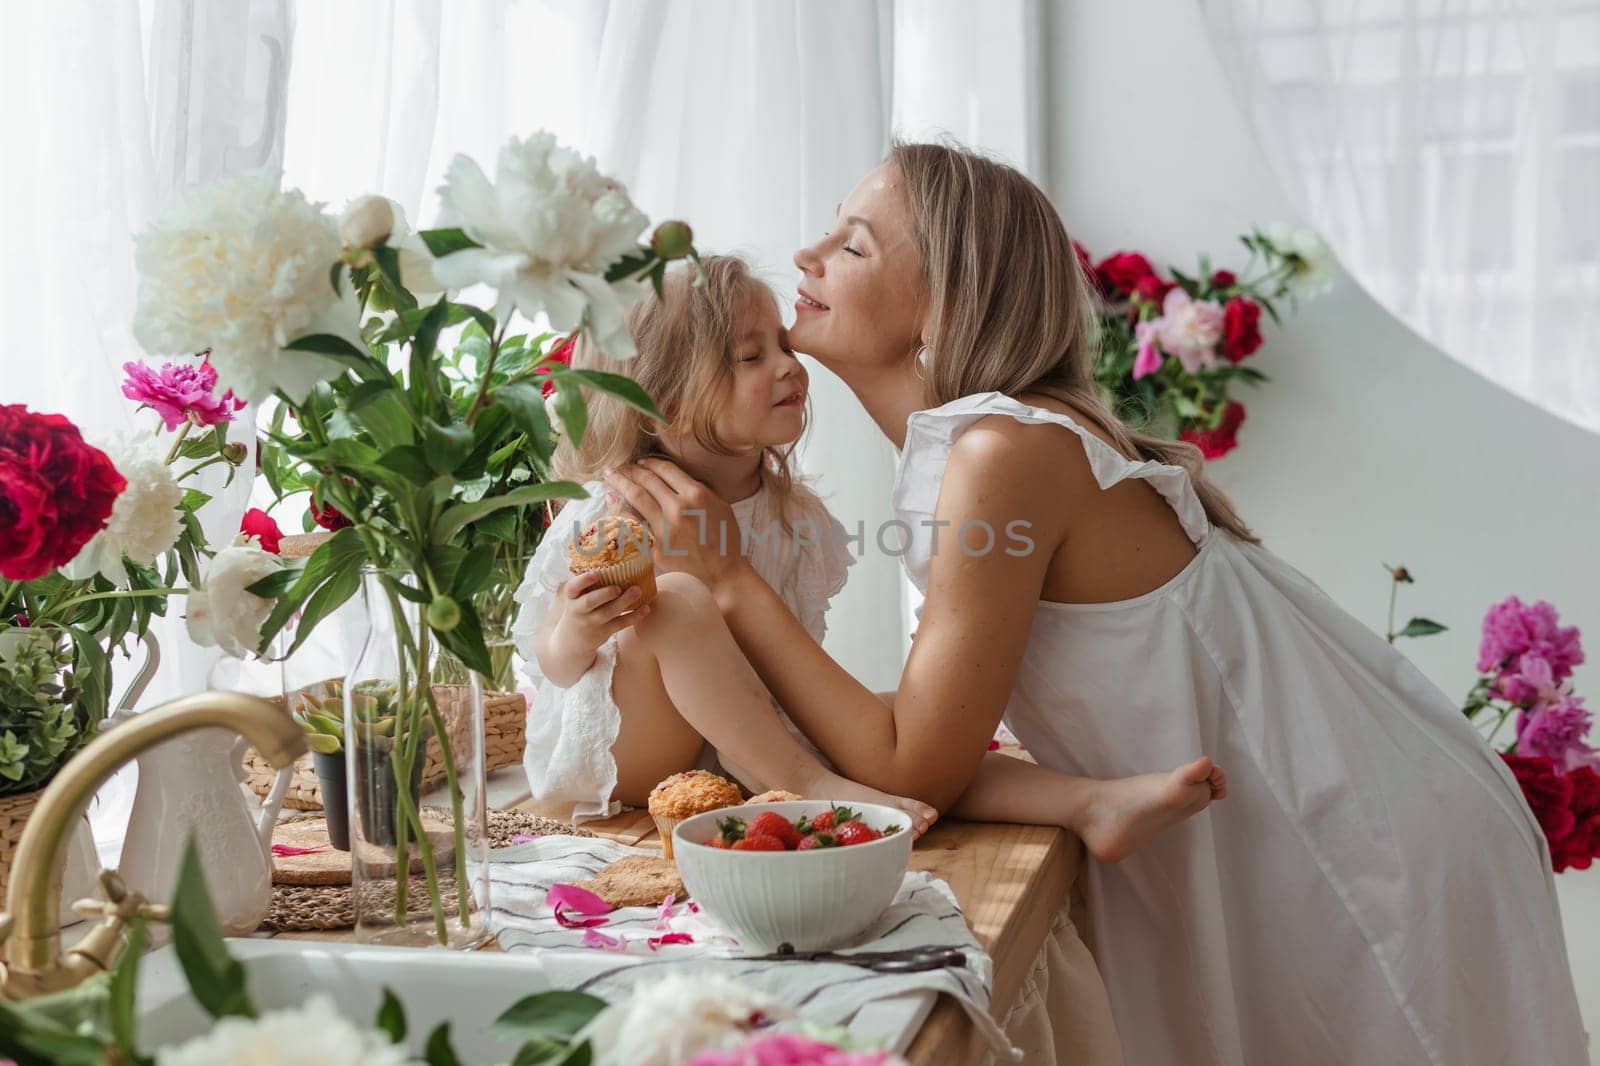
(618,549)
(686,795)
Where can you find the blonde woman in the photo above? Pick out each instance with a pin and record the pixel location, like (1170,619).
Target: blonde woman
(1374,891)
(628,694)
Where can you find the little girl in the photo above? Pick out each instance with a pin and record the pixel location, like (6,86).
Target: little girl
(627,695)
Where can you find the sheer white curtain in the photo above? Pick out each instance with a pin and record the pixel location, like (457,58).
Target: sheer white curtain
(751,120)
(1450,152)
(157,95)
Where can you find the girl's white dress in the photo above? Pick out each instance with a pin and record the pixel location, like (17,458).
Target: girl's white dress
(571,730)
(1373,891)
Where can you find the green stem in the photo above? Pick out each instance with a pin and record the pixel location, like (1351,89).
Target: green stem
(1394,594)
(10,590)
(416,648)
(196,468)
(92,597)
(482,399)
(178,444)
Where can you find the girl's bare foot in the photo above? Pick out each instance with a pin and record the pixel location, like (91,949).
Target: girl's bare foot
(1129,812)
(830,786)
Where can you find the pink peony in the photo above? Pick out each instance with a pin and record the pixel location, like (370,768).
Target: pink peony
(1558,731)
(1190,329)
(180,392)
(788,1049)
(1513,629)
(1148,360)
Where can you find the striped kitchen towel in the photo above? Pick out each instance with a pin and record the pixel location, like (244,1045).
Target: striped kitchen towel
(636,942)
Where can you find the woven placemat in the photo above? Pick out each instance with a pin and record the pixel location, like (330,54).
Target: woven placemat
(302,855)
(309,907)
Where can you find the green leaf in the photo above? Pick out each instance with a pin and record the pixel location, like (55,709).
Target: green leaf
(571,409)
(275,584)
(392,1017)
(32,1040)
(1421,627)
(193,500)
(555,1015)
(629,265)
(438,1051)
(328,597)
(441,242)
(525,401)
(333,277)
(216,980)
(623,388)
(465,641)
(342,551)
(330,344)
(446,446)
(423,387)
(457,518)
(124,985)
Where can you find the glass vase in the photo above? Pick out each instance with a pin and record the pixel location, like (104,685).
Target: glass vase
(414,764)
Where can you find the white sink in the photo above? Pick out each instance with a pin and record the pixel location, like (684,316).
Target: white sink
(467,989)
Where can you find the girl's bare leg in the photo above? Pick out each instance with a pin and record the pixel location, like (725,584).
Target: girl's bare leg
(681,677)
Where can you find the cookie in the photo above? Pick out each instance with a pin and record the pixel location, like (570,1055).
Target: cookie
(637,881)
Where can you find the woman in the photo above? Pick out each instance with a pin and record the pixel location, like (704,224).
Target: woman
(1374,891)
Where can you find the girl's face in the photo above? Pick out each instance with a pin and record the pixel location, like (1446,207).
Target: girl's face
(862,298)
(765,405)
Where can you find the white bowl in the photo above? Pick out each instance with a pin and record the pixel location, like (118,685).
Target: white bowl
(813,900)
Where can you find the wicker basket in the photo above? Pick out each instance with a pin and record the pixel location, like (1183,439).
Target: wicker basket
(14,811)
(505,719)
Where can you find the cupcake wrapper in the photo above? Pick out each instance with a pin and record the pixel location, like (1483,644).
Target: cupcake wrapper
(664,826)
(640,571)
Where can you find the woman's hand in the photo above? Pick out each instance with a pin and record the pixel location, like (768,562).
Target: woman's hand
(693,530)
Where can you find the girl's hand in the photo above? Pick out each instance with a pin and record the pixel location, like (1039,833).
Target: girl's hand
(693,529)
(591,613)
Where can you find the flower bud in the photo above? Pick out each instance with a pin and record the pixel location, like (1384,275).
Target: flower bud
(366,222)
(444,614)
(672,239)
(235,452)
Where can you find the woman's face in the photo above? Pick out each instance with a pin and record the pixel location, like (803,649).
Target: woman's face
(862,298)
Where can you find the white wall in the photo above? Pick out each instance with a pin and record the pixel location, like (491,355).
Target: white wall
(1369,445)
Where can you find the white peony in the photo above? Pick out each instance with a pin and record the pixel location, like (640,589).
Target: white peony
(672,1019)
(1312,258)
(371,219)
(551,225)
(241,267)
(314,1034)
(144,521)
(221,614)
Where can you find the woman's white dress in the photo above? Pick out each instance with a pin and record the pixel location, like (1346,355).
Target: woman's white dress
(571,730)
(1373,891)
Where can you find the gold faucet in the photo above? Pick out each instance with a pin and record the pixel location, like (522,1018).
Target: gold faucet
(34,964)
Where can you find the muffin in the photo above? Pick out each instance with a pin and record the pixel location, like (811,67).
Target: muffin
(686,795)
(777,795)
(618,549)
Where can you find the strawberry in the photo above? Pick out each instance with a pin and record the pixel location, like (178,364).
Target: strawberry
(854,832)
(824,822)
(759,842)
(816,840)
(776,825)
(718,841)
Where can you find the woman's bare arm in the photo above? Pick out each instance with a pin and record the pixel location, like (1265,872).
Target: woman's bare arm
(974,627)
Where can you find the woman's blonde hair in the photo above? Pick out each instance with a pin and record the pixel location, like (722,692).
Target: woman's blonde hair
(685,341)
(1010,310)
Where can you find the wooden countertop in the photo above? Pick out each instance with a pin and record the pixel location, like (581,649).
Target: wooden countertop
(1011,880)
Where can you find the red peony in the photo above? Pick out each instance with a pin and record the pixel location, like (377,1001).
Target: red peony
(1241,328)
(1580,846)
(563,355)
(330,517)
(56,492)
(1152,290)
(1120,274)
(1215,443)
(1548,792)
(1224,279)
(259,524)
